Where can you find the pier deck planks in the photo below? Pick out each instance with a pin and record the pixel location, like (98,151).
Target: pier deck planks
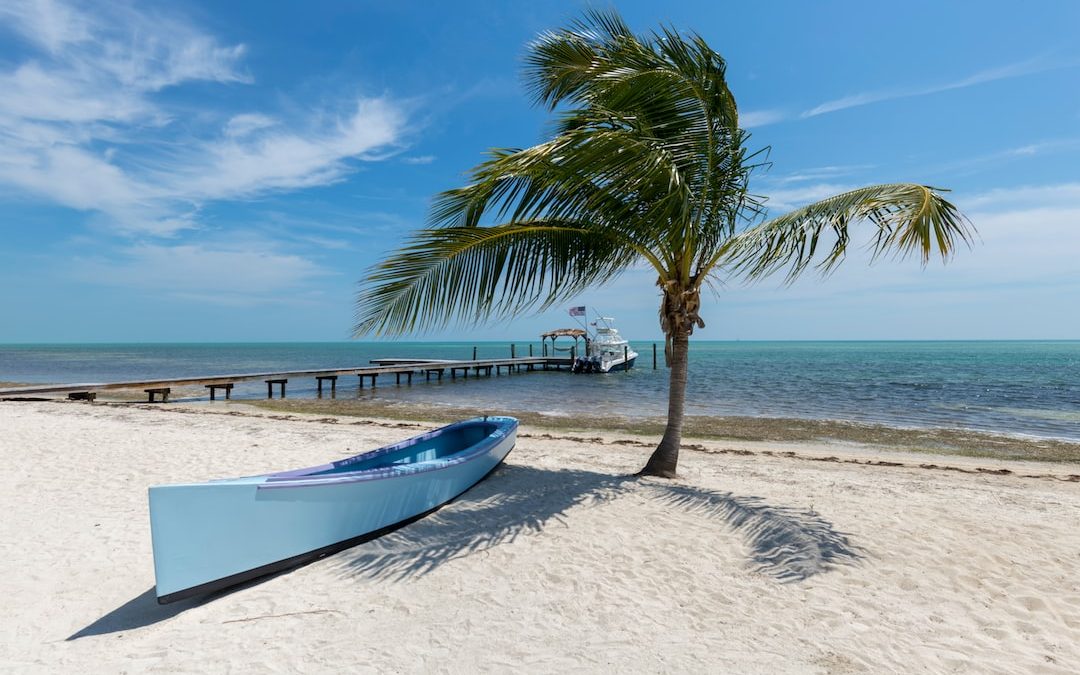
(389,366)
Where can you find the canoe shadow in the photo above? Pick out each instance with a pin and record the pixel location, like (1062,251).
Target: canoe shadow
(785,543)
(144,610)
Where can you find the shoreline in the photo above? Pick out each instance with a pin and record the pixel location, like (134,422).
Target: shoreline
(948,441)
(957,441)
(806,450)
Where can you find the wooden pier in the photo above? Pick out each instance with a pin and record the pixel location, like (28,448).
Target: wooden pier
(215,383)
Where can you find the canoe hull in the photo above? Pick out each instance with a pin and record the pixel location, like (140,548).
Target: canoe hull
(209,536)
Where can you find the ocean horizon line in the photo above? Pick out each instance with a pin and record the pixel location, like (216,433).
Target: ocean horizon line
(532,340)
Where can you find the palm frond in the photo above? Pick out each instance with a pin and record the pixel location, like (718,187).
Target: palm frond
(605,179)
(561,65)
(669,93)
(910,219)
(474,273)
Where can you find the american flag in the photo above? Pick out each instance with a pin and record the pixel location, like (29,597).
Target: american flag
(577,311)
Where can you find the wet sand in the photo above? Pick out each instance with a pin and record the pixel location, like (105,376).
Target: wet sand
(783,430)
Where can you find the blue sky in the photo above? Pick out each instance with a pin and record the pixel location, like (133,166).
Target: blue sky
(226,171)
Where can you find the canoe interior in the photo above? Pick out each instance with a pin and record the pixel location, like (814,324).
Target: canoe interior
(424,449)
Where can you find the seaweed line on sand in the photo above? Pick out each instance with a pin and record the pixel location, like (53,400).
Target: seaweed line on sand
(597,440)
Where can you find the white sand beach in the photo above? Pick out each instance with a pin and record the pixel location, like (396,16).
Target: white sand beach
(754,563)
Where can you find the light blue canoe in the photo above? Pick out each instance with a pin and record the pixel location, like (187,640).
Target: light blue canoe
(208,536)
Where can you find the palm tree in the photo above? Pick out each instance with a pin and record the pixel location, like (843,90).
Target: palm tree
(646,167)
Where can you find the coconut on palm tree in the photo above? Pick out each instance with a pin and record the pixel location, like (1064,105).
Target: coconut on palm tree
(646,167)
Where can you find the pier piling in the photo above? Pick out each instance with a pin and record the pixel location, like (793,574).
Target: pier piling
(429,371)
(270,387)
(153,392)
(214,387)
(333,384)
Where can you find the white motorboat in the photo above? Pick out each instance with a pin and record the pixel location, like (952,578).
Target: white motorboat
(607,350)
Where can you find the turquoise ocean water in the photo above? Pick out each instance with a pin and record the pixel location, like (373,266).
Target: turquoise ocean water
(1029,388)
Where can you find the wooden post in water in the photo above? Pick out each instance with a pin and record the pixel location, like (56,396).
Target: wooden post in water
(333,384)
(530,350)
(625,354)
(513,349)
(654,356)
(474,353)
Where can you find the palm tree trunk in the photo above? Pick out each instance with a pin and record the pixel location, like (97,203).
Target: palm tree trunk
(665,458)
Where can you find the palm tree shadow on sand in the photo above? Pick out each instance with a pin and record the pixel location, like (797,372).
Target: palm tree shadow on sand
(786,544)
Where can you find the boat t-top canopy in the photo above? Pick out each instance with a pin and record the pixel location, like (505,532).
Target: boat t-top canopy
(563,332)
(576,333)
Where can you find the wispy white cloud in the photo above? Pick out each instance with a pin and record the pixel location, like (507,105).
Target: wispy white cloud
(245,124)
(1018,69)
(351,223)
(52,25)
(968,165)
(82,125)
(276,160)
(70,175)
(421,159)
(786,199)
(1012,199)
(103,66)
(785,192)
(788,191)
(817,173)
(248,273)
(759,118)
